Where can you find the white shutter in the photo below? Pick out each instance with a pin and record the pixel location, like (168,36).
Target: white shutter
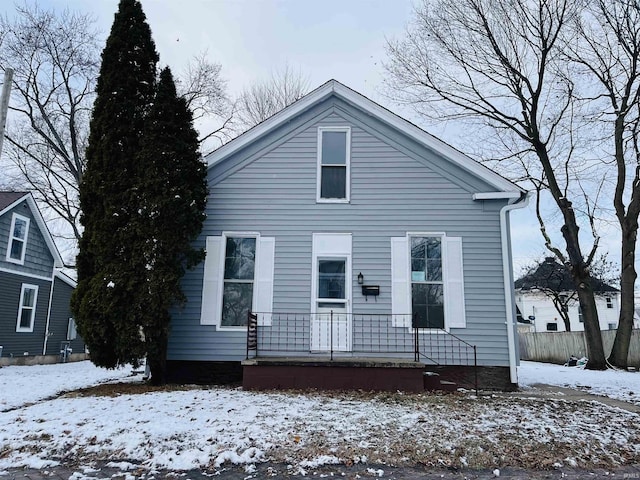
(454,312)
(264,279)
(400,304)
(211,280)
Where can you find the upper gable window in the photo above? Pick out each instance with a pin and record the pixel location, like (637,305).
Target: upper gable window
(334,159)
(18,235)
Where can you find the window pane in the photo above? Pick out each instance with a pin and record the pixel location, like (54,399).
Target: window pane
(427,305)
(16,249)
(333,183)
(28,297)
(334,148)
(435,317)
(25,318)
(418,247)
(239,262)
(19,229)
(433,247)
(434,270)
(331,279)
(236,303)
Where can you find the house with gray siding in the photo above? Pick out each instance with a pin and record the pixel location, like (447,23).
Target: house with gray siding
(35,318)
(348,248)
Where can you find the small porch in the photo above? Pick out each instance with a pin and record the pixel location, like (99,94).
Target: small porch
(340,351)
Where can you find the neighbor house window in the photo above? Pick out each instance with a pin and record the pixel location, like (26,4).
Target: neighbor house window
(334,145)
(18,234)
(27,308)
(552,327)
(72,332)
(612,326)
(580,317)
(609,302)
(427,300)
(239,277)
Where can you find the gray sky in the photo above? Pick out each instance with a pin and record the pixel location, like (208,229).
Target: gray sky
(341,39)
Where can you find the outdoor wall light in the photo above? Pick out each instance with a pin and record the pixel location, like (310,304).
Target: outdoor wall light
(360,278)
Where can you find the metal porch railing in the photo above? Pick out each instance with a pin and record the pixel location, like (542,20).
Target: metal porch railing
(339,334)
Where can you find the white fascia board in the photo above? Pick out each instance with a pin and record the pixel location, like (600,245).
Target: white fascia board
(426,139)
(375,110)
(496,195)
(46,234)
(65,278)
(17,202)
(272,122)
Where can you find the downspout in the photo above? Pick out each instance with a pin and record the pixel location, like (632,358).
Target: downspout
(46,328)
(507,272)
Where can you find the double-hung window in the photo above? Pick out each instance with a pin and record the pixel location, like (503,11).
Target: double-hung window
(239,276)
(27,308)
(427,300)
(334,164)
(17,239)
(427,281)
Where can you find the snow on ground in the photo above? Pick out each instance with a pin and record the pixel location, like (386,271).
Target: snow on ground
(27,384)
(616,384)
(211,427)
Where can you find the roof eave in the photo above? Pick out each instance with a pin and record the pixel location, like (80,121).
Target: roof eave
(416,133)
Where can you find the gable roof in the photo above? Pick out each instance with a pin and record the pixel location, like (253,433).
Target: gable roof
(554,276)
(8,200)
(337,89)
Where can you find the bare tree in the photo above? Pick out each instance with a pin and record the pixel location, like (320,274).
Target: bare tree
(607,48)
(264,99)
(496,63)
(55,60)
(56,56)
(202,86)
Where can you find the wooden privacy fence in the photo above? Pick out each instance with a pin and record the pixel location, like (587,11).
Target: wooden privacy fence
(557,347)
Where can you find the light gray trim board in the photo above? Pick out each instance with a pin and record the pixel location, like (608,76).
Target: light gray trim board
(23,274)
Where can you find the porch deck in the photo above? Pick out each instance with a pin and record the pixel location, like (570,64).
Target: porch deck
(339,373)
(355,352)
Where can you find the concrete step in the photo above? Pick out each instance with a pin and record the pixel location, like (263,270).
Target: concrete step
(432,381)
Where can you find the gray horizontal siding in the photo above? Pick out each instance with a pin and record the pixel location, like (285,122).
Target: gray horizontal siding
(38,259)
(18,343)
(59,319)
(395,187)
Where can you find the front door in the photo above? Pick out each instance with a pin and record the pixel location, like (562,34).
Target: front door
(330,321)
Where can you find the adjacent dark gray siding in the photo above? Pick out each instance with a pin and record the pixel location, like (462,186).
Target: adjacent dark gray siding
(59,319)
(38,259)
(396,186)
(18,343)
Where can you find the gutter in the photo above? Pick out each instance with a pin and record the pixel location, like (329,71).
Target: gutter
(46,329)
(507,272)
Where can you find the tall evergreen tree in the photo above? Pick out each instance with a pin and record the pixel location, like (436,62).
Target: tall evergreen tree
(110,264)
(173,198)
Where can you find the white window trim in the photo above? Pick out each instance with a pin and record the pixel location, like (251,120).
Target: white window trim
(319,199)
(12,238)
(26,286)
(223,251)
(72,329)
(443,258)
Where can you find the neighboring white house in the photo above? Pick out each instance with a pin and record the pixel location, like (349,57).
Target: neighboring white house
(548,285)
